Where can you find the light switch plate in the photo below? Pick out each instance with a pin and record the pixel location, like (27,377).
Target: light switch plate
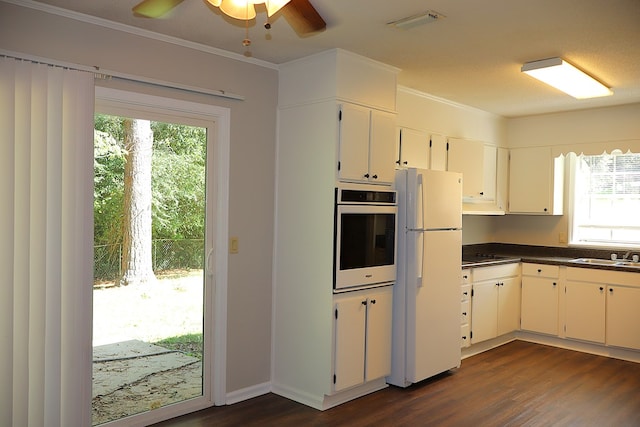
(233,245)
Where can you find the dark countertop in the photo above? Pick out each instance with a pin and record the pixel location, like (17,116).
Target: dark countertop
(489,254)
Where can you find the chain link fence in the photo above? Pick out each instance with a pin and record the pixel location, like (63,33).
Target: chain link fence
(167,255)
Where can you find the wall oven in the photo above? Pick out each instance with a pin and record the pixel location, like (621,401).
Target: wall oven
(364,237)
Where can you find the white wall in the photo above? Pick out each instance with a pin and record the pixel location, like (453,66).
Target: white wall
(253,129)
(421,111)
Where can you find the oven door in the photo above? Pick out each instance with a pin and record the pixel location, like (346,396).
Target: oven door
(365,245)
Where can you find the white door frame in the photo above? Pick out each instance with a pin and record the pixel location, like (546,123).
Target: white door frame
(218,122)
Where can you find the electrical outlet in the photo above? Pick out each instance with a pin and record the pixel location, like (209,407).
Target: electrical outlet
(233,245)
(562,237)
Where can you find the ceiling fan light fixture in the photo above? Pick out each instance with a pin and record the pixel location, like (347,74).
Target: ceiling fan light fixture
(273,6)
(563,76)
(238,9)
(245,9)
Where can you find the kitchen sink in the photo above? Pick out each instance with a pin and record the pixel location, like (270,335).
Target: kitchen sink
(602,261)
(628,263)
(596,261)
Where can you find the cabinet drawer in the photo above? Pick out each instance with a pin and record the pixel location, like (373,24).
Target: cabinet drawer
(464,336)
(466,276)
(465,293)
(464,313)
(603,276)
(540,270)
(481,274)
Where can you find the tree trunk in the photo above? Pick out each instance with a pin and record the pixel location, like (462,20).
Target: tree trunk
(137,266)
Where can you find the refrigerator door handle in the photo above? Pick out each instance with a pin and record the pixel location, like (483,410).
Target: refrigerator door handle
(420,195)
(420,260)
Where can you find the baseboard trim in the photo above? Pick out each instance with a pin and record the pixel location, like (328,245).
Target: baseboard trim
(585,347)
(248,393)
(567,344)
(324,402)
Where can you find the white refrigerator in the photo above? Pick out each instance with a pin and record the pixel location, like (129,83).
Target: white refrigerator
(426,297)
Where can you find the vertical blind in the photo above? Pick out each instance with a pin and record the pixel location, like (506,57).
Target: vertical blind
(46,229)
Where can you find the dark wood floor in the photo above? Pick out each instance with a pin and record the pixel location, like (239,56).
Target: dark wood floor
(518,384)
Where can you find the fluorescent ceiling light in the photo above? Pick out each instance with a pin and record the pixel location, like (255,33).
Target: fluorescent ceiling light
(560,74)
(416,20)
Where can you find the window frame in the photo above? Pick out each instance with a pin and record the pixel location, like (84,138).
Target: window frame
(572,182)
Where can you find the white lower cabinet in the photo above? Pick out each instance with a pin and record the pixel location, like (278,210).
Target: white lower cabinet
(540,298)
(585,311)
(362,337)
(495,301)
(602,306)
(465,308)
(623,317)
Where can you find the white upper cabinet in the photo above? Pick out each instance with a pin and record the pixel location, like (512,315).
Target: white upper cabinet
(502,179)
(468,157)
(366,146)
(413,149)
(381,147)
(536,181)
(438,152)
(489,171)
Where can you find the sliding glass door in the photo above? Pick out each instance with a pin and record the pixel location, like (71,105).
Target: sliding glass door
(154,266)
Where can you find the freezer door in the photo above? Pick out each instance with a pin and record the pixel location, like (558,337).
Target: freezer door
(439,200)
(433,307)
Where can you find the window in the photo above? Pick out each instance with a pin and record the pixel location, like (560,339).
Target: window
(606,200)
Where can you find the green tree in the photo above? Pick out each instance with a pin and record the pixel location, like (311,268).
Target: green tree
(177,175)
(137,261)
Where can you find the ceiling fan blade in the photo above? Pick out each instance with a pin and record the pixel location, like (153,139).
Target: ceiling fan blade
(155,8)
(303,17)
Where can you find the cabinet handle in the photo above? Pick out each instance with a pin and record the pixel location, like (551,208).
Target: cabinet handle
(464,338)
(465,293)
(465,277)
(482,193)
(364,302)
(545,209)
(464,313)
(366,175)
(405,162)
(373,301)
(601,288)
(611,291)
(375,177)
(539,270)
(554,283)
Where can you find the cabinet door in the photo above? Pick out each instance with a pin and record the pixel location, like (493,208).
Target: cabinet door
(585,315)
(354,143)
(438,152)
(381,147)
(414,149)
(349,342)
(467,158)
(535,181)
(540,305)
(489,173)
(378,337)
(502,178)
(484,311)
(509,297)
(623,317)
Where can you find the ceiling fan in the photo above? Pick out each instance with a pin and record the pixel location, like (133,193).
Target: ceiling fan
(300,14)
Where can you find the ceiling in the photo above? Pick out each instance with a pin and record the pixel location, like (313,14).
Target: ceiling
(472,56)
